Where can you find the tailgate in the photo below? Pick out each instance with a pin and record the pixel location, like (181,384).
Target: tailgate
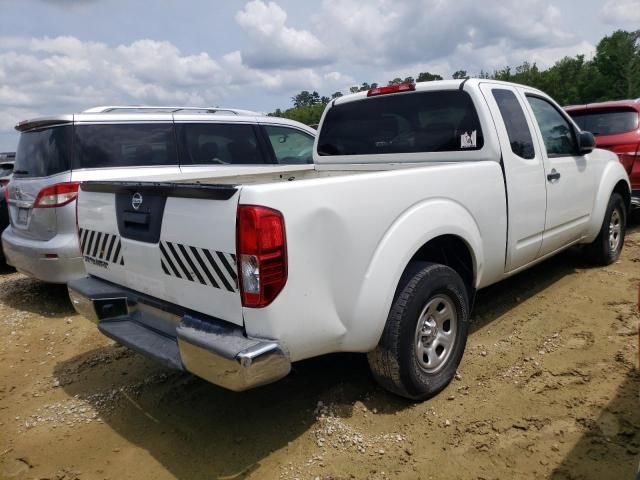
(174,242)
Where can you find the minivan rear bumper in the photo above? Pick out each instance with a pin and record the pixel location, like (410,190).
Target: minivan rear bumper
(212,349)
(56,261)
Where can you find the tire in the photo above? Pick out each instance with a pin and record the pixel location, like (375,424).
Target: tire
(408,359)
(606,248)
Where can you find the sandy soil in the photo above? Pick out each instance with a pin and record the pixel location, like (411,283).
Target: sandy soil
(548,388)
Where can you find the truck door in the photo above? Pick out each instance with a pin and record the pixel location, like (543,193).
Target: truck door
(524,174)
(569,176)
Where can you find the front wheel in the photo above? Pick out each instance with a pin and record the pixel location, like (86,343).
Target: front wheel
(425,334)
(606,248)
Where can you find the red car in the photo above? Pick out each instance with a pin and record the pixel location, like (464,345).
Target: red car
(616,126)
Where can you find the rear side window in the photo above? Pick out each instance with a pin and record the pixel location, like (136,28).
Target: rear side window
(290,146)
(515,122)
(218,144)
(124,145)
(438,121)
(606,122)
(557,132)
(44,152)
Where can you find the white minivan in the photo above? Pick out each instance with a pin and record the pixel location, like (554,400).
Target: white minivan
(55,154)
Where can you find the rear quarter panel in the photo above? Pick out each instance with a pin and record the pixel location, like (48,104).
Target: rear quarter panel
(350,238)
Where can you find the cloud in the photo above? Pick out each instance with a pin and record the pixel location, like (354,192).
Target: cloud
(341,43)
(390,33)
(64,74)
(275,45)
(621,13)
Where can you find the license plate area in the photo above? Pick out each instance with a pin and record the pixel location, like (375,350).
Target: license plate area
(23,216)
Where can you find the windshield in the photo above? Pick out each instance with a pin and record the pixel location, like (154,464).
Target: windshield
(606,122)
(42,153)
(437,121)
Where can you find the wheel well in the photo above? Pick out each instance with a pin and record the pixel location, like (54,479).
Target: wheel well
(623,189)
(452,251)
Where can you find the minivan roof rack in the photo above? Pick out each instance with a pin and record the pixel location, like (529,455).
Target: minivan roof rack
(168,109)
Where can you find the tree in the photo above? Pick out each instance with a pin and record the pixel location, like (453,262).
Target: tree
(618,61)
(336,94)
(303,99)
(395,81)
(324,100)
(459,75)
(428,77)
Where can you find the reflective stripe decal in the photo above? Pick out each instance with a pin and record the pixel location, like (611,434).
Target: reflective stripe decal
(199,265)
(101,246)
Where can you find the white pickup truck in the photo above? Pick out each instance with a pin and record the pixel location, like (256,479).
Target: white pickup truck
(419,196)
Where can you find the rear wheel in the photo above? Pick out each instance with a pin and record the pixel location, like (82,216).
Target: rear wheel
(425,334)
(606,248)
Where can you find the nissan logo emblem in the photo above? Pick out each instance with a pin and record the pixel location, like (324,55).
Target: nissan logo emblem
(136,201)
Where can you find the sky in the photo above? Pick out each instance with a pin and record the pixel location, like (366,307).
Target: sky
(64,56)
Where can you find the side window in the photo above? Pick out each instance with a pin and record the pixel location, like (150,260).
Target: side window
(289,145)
(218,144)
(515,122)
(124,145)
(557,132)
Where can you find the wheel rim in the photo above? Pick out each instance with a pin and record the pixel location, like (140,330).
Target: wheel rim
(615,230)
(436,333)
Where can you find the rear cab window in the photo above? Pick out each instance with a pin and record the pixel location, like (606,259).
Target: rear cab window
(432,121)
(218,144)
(124,145)
(44,152)
(610,121)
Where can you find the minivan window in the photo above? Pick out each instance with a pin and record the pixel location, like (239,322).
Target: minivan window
(515,123)
(402,123)
(124,145)
(606,122)
(290,146)
(218,144)
(44,152)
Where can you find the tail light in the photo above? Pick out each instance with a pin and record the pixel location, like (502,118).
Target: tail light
(4,182)
(627,154)
(6,193)
(401,87)
(262,254)
(57,195)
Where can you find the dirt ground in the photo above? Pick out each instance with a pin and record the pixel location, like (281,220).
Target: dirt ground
(548,388)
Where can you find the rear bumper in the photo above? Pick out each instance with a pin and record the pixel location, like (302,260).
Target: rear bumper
(30,256)
(212,349)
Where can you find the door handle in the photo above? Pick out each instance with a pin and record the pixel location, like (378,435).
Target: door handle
(554,175)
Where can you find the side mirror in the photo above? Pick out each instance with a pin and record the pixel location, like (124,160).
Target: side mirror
(586,142)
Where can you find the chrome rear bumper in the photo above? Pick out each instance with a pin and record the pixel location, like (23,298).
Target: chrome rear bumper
(212,349)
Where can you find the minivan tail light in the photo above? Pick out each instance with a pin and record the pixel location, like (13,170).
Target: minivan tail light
(628,154)
(261,253)
(57,195)
(401,87)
